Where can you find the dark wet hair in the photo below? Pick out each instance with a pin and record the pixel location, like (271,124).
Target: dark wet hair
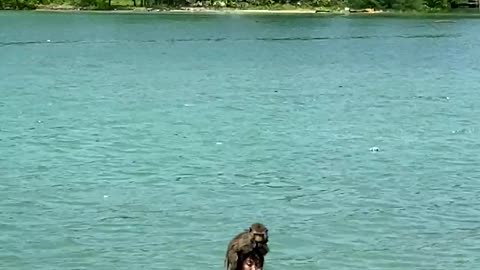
(254,256)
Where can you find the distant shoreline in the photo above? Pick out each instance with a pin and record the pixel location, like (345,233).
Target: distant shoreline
(188,10)
(204,10)
(232,11)
(253,11)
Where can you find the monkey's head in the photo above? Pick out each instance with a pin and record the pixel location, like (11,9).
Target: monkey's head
(258,233)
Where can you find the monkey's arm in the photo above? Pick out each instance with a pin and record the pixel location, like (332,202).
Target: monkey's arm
(231,260)
(264,249)
(236,251)
(231,257)
(240,244)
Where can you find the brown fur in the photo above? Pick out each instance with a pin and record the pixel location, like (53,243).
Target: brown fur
(255,238)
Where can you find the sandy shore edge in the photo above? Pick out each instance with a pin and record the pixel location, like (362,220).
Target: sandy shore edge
(190,10)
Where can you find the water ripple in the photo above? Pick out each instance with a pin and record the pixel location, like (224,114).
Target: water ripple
(148,142)
(219,39)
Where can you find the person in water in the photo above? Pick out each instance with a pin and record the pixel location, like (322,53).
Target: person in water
(250,261)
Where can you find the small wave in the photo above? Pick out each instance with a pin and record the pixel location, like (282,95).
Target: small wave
(312,38)
(220,39)
(21,43)
(292,38)
(35,42)
(356,37)
(196,39)
(430,36)
(432,98)
(117,217)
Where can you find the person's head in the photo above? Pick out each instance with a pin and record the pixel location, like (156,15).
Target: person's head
(251,261)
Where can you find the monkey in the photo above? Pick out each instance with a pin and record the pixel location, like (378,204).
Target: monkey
(254,238)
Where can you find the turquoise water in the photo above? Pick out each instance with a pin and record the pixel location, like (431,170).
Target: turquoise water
(147,142)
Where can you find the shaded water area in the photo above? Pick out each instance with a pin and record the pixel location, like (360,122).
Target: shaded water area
(147,142)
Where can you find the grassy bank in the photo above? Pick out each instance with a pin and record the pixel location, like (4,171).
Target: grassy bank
(159,5)
(384,7)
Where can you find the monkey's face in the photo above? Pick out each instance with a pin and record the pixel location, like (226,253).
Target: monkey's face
(260,237)
(258,233)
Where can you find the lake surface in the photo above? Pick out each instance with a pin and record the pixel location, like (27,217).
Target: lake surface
(148,142)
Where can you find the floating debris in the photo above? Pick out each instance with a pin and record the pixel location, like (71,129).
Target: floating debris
(463,131)
(374,149)
(444,21)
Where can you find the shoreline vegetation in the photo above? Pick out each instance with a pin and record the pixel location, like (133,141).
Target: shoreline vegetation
(333,7)
(201,10)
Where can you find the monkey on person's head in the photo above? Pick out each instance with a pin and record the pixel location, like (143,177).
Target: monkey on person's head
(255,238)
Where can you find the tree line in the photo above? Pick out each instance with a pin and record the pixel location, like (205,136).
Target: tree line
(406,5)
